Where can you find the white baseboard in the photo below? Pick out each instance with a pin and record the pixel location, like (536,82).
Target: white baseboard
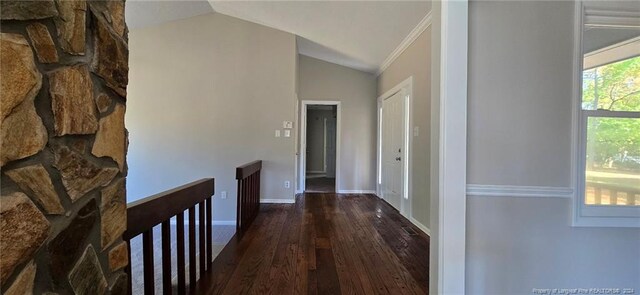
(299,192)
(343,191)
(315,176)
(519,191)
(278,201)
(421,226)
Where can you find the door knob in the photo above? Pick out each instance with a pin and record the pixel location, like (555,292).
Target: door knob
(398,159)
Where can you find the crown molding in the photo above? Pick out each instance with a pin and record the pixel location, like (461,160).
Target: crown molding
(413,35)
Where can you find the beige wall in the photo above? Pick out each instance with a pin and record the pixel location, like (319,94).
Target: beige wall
(416,61)
(320,80)
(206,95)
(519,133)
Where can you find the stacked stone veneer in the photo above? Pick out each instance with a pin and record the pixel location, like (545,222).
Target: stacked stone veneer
(64,67)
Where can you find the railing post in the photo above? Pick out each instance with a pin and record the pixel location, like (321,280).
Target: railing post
(248,177)
(147,256)
(258,196)
(613,197)
(180,251)
(209,233)
(166,258)
(631,198)
(239,206)
(192,247)
(202,238)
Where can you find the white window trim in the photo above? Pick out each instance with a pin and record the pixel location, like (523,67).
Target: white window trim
(610,54)
(583,215)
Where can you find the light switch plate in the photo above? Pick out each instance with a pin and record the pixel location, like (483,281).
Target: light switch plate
(416,131)
(287,133)
(278,133)
(287,124)
(223,195)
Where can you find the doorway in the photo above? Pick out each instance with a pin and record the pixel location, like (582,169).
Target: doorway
(320,146)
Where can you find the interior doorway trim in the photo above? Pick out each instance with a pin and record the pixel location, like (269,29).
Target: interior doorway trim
(449,147)
(303,140)
(407,87)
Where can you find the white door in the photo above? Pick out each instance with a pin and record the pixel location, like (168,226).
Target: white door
(393,133)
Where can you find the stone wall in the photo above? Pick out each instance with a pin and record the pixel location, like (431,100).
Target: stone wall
(64,67)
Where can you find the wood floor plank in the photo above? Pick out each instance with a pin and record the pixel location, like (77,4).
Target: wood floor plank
(313,283)
(382,276)
(283,265)
(326,274)
(405,282)
(323,244)
(227,261)
(347,251)
(249,276)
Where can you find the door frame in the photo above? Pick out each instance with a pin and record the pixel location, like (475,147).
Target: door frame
(449,56)
(406,87)
(303,139)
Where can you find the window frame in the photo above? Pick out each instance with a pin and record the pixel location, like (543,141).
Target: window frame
(591,215)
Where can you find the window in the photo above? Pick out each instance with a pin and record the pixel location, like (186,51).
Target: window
(611,111)
(609,143)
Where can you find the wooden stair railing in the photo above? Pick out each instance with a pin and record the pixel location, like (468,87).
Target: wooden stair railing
(248,176)
(144,214)
(614,191)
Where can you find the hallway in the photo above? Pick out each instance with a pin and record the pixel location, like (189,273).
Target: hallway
(324,244)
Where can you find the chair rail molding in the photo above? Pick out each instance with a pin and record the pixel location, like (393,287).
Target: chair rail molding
(518,191)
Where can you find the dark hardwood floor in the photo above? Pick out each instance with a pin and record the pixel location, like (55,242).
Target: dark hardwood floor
(320,185)
(323,244)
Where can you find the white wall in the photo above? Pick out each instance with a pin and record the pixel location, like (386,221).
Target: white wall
(320,80)
(206,95)
(415,62)
(519,133)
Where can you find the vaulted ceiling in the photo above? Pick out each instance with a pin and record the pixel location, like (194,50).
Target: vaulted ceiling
(357,34)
